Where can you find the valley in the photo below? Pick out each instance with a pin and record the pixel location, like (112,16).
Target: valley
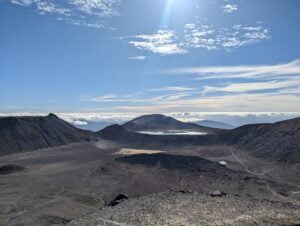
(60,184)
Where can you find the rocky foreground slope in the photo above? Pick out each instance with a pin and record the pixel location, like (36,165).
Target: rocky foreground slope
(60,184)
(185,208)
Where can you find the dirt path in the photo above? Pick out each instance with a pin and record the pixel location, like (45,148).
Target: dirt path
(111,222)
(243,164)
(291,200)
(263,174)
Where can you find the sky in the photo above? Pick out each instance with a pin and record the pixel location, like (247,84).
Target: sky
(180,57)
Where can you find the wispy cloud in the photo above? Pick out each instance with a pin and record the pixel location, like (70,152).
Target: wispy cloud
(271,102)
(197,37)
(138,99)
(88,13)
(210,38)
(165,99)
(138,58)
(163,42)
(191,102)
(173,88)
(133,94)
(244,71)
(104,98)
(168,42)
(102,8)
(230,8)
(163,94)
(239,88)
(12,107)
(51,8)
(22,2)
(278,79)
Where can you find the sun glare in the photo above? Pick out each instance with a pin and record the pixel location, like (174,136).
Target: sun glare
(171,6)
(164,23)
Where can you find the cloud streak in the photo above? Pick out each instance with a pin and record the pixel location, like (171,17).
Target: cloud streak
(244,71)
(239,88)
(272,102)
(173,88)
(139,58)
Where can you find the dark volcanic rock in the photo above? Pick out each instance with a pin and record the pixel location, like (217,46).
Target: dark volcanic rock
(8,169)
(185,163)
(120,198)
(19,134)
(277,142)
(215,124)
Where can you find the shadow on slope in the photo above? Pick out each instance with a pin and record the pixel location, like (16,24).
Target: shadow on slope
(19,134)
(173,162)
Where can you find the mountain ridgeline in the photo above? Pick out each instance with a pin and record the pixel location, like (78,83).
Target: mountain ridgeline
(276,142)
(159,122)
(19,134)
(215,124)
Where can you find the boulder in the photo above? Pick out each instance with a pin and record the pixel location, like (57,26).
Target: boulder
(120,198)
(8,169)
(217,194)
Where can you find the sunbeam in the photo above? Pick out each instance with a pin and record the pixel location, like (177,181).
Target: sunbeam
(164,23)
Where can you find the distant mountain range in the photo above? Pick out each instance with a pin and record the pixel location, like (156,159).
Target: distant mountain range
(215,124)
(157,122)
(169,123)
(93,126)
(277,142)
(19,134)
(125,137)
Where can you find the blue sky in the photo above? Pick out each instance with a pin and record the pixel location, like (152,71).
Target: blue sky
(142,56)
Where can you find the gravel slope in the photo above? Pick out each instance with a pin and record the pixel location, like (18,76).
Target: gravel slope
(177,208)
